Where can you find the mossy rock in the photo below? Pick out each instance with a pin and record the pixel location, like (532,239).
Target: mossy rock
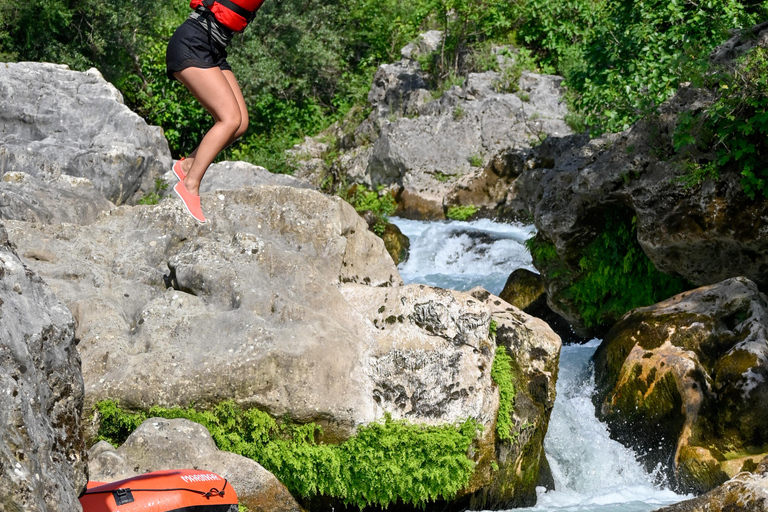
(698,471)
(522,288)
(696,360)
(396,242)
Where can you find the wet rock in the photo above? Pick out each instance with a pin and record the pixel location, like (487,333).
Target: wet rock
(685,383)
(396,242)
(522,288)
(160,444)
(42,452)
(525,290)
(535,352)
(745,491)
(57,122)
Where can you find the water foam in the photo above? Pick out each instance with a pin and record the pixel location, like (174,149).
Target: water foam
(592,472)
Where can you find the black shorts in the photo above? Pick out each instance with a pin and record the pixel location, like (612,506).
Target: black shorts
(192,47)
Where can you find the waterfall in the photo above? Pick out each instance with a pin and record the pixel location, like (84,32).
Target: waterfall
(592,472)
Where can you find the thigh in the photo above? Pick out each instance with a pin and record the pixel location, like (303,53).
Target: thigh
(230,76)
(212,89)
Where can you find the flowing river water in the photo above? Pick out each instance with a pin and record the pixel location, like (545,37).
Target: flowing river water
(592,473)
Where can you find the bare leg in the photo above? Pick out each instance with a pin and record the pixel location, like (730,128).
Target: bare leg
(186,165)
(213,91)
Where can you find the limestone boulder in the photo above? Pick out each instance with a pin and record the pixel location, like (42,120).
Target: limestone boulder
(244,307)
(445,148)
(54,122)
(685,383)
(160,444)
(50,201)
(535,352)
(42,451)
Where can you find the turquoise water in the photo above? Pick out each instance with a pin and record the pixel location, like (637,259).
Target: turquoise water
(592,472)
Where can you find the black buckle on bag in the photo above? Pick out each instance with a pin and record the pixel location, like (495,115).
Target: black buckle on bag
(122,496)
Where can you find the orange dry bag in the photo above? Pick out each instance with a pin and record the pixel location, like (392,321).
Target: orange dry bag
(233,14)
(162,491)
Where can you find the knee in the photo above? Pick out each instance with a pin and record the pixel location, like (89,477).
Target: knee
(232,123)
(242,128)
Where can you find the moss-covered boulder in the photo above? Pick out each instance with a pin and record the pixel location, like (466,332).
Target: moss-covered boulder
(685,382)
(396,242)
(525,290)
(526,373)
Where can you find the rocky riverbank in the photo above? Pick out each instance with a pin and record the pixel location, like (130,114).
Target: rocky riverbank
(284,304)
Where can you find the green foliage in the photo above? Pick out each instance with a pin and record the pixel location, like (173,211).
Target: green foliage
(475,160)
(383,463)
(501,373)
(736,125)
(154,196)
(617,276)
(517,62)
(492,328)
(380,202)
(622,58)
(442,177)
(542,250)
(461,212)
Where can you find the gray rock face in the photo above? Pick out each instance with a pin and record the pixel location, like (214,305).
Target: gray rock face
(160,444)
(705,234)
(439,153)
(426,155)
(42,452)
(685,382)
(245,307)
(50,201)
(55,122)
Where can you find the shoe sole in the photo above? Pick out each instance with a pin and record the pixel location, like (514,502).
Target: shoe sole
(187,207)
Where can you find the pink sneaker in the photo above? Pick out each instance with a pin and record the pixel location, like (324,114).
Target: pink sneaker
(178,171)
(191,201)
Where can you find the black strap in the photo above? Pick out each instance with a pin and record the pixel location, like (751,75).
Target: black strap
(232,6)
(212,492)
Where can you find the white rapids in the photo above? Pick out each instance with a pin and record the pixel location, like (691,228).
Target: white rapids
(592,472)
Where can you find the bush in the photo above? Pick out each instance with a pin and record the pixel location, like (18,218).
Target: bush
(379,202)
(622,58)
(617,276)
(614,275)
(382,464)
(736,125)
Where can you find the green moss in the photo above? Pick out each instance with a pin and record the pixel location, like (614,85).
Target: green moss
(461,212)
(383,463)
(501,373)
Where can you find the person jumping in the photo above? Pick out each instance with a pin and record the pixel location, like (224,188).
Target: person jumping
(196,56)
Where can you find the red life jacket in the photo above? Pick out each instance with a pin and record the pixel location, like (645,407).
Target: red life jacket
(233,14)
